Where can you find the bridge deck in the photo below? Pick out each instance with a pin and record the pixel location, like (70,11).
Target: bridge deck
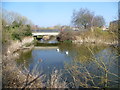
(55,30)
(45,32)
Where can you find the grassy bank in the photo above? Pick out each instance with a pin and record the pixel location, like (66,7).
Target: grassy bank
(98,36)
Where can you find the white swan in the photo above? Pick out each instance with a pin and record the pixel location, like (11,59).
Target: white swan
(66,52)
(57,50)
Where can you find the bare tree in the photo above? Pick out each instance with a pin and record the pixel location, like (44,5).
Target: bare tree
(86,19)
(98,21)
(82,18)
(10,17)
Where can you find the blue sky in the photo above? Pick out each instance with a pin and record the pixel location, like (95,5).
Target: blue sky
(45,14)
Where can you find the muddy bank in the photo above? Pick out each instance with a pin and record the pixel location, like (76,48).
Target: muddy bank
(12,77)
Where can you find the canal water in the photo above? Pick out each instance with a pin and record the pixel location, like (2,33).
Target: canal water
(66,57)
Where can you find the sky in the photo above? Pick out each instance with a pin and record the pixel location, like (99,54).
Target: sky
(47,14)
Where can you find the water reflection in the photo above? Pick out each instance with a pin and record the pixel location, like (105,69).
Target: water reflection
(25,58)
(101,70)
(48,41)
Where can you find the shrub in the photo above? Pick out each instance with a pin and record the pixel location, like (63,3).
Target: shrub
(67,36)
(16,36)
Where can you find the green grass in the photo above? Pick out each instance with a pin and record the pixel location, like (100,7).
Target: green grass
(99,34)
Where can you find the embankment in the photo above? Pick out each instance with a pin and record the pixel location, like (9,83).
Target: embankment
(93,40)
(97,37)
(12,76)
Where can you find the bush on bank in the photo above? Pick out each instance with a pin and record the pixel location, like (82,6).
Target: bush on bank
(14,26)
(67,36)
(97,33)
(15,32)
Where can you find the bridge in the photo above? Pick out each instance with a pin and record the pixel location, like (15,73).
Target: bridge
(45,32)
